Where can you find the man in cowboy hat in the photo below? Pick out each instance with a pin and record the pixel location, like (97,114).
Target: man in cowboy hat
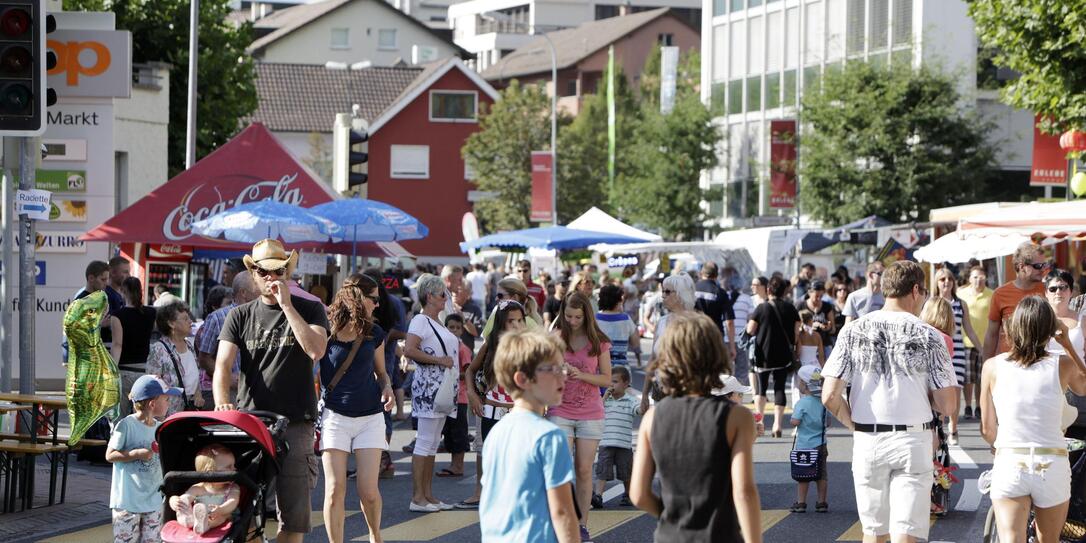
(278,337)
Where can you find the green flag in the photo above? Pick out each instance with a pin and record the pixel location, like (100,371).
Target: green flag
(611,117)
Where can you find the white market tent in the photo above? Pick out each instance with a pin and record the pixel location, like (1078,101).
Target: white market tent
(736,256)
(955,248)
(769,247)
(597,220)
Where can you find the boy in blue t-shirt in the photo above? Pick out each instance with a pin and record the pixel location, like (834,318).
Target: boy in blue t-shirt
(809,416)
(527,468)
(134,496)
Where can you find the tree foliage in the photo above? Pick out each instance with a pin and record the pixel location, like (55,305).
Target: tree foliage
(891,142)
(500,153)
(1043,40)
(226,93)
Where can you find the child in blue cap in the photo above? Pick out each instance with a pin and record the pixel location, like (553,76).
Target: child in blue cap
(134,495)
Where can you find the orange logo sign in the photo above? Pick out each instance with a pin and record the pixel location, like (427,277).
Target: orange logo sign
(72,61)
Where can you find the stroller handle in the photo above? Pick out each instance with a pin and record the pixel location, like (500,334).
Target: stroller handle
(277,423)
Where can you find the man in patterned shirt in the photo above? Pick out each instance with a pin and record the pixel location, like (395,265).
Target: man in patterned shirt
(893,360)
(207,339)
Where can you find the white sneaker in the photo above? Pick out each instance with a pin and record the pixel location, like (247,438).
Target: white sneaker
(428,508)
(442,506)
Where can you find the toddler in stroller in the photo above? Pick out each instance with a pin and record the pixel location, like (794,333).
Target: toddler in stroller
(208,505)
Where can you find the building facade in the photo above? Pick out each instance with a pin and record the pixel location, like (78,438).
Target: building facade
(491,29)
(760,56)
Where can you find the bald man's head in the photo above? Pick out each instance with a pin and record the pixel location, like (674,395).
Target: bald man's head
(244,288)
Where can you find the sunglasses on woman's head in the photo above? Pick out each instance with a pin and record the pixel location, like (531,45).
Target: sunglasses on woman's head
(502,305)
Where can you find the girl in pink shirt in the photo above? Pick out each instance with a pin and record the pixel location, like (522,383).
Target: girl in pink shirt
(588,365)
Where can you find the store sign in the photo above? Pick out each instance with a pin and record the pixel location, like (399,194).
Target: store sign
(91,63)
(1049,161)
(65,210)
(542,166)
(168,250)
(64,241)
(782,164)
(34,203)
(208,200)
(39,272)
(61,180)
(312,263)
(622,261)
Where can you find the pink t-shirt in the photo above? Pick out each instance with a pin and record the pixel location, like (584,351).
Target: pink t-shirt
(465,361)
(581,400)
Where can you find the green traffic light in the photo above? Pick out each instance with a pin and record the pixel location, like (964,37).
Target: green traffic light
(15,98)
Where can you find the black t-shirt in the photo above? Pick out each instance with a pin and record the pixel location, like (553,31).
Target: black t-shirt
(358,394)
(553,306)
(474,314)
(116,302)
(773,346)
(137,325)
(713,302)
(276,374)
(820,316)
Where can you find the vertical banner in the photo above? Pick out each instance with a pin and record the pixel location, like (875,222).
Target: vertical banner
(782,164)
(1049,167)
(542,206)
(611,117)
(669,68)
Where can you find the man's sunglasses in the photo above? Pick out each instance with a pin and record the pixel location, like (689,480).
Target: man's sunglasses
(1038,265)
(264,273)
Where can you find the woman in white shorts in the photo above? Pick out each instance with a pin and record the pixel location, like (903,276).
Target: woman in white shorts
(356,394)
(1022,392)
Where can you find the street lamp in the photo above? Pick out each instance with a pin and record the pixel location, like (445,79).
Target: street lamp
(499,17)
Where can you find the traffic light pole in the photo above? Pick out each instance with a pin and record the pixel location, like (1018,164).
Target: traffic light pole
(6,351)
(28,150)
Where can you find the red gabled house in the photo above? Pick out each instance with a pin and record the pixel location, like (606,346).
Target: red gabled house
(419,118)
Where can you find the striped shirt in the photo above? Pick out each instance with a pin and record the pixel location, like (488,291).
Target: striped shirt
(618,421)
(958,358)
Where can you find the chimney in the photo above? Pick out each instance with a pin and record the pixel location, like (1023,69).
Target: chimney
(624,9)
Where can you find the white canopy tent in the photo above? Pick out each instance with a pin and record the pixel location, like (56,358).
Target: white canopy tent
(956,248)
(597,220)
(1035,220)
(735,256)
(769,247)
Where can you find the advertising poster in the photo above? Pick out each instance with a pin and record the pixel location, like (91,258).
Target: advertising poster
(782,164)
(542,207)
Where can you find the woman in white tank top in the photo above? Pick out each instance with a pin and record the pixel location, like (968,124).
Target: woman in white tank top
(1022,392)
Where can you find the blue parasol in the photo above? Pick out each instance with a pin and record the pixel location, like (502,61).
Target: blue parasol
(254,221)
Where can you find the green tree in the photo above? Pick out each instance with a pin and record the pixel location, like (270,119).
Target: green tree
(226,93)
(1042,40)
(500,153)
(891,142)
(582,149)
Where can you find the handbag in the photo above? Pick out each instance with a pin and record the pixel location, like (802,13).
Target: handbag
(794,364)
(331,385)
(445,398)
(176,358)
(807,464)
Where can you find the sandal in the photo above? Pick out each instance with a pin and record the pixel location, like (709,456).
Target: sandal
(446,472)
(467,505)
(799,507)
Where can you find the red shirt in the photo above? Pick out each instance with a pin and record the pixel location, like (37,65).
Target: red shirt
(537,292)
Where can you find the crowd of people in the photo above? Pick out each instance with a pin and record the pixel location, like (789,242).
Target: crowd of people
(534,374)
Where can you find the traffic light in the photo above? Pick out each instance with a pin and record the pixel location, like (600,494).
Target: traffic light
(351,152)
(23,63)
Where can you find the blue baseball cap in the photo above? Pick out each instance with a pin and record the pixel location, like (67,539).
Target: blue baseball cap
(149,386)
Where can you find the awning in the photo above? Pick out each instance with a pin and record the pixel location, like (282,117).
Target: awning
(955,248)
(597,220)
(548,237)
(862,231)
(252,166)
(1034,220)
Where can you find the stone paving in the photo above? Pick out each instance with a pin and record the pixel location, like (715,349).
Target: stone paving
(86,504)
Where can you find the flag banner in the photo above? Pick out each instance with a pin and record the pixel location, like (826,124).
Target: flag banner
(782,164)
(1049,167)
(542,205)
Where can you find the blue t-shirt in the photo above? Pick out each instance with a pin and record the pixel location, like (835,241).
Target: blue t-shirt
(524,456)
(135,484)
(617,327)
(358,393)
(811,415)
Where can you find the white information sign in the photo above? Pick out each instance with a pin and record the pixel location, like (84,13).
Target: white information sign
(313,263)
(34,203)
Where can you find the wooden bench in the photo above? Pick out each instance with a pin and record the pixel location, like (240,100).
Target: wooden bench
(61,439)
(17,466)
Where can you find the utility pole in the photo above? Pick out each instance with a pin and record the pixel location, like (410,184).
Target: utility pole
(28,153)
(194,54)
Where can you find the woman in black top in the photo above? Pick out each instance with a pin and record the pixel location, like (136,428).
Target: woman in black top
(132,327)
(774,325)
(685,436)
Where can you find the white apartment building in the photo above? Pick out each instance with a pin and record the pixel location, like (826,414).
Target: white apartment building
(491,29)
(759,56)
(432,13)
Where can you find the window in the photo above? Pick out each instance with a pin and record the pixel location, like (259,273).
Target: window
(755,3)
(879,24)
(735,96)
(666,39)
(453,106)
(811,77)
(410,161)
(737,52)
(571,88)
(738,5)
(720,7)
(814,26)
(756,47)
(835,30)
(386,39)
(754,93)
(903,21)
(789,88)
(791,38)
(772,90)
(716,99)
(854,27)
(341,38)
(775,41)
(720,53)
(606,12)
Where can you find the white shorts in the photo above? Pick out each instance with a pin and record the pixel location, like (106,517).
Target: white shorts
(1044,477)
(348,434)
(892,473)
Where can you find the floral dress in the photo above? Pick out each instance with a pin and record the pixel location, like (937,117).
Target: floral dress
(165,362)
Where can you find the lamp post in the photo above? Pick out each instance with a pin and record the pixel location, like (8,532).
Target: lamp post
(495,16)
(194,43)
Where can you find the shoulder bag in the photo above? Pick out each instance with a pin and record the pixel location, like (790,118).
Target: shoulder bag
(331,385)
(176,358)
(808,464)
(445,399)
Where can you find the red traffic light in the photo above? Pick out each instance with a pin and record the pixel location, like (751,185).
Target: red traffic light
(15,22)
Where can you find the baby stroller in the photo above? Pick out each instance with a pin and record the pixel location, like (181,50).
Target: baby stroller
(256,439)
(944,473)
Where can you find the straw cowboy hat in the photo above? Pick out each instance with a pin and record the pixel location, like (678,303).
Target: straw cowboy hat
(269,254)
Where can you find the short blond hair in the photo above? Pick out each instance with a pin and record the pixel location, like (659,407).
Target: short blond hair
(523,351)
(205,459)
(938,313)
